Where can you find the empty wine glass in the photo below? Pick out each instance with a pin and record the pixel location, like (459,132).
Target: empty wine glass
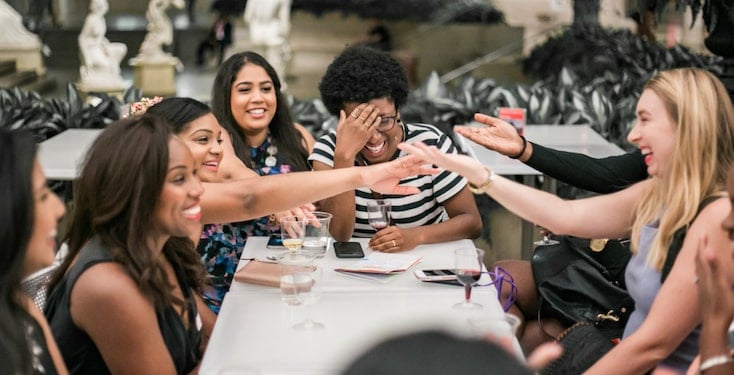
(292,232)
(469,262)
(546,240)
(308,293)
(378,213)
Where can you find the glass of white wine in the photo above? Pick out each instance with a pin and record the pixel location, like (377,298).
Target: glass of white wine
(292,232)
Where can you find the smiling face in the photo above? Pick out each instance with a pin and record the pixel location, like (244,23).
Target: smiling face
(48,210)
(253,100)
(381,146)
(654,133)
(203,137)
(178,212)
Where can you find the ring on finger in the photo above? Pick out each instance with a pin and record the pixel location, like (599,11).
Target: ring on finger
(394,244)
(354,113)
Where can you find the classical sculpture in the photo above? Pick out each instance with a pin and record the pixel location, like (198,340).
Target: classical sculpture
(12,32)
(100,58)
(160,30)
(269,25)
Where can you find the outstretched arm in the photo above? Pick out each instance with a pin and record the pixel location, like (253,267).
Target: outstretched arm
(577,217)
(258,196)
(602,175)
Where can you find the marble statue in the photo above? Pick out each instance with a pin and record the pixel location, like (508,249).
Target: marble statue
(160,30)
(269,26)
(12,32)
(100,58)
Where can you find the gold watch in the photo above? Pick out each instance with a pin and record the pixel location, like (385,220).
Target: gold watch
(481,189)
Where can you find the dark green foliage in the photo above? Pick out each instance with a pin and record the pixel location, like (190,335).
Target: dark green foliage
(590,50)
(415,10)
(20,109)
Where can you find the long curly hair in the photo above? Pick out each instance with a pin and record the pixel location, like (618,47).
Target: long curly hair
(704,150)
(115,199)
(17,155)
(360,74)
(283,132)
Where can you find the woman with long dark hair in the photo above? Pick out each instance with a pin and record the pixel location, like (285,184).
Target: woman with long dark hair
(29,213)
(126,299)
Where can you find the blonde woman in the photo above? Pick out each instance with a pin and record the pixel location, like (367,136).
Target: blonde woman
(685,130)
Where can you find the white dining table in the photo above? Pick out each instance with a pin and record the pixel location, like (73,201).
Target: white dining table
(254,332)
(573,138)
(61,156)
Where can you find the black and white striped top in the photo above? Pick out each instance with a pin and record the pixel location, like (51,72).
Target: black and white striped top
(408,211)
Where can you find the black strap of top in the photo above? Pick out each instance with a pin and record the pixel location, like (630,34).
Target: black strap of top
(679,236)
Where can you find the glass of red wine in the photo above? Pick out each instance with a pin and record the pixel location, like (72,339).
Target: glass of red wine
(378,213)
(468,269)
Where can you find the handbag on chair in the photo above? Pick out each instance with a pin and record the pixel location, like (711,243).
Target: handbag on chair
(581,283)
(578,284)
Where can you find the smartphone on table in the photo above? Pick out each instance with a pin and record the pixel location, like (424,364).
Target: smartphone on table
(445,276)
(275,242)
(348,250)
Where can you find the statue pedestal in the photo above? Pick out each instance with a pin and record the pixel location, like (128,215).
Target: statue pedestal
(115,90)
(155,77)
(26,58)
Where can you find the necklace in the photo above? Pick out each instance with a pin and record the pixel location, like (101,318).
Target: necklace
(272,159)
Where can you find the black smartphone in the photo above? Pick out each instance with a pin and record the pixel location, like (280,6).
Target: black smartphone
(348,250)
(275,242)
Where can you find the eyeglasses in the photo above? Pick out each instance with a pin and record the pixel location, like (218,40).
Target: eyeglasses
(387,123)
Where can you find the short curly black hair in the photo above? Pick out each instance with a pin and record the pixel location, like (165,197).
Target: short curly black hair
(360,74)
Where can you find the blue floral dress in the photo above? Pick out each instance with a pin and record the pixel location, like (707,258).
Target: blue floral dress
(220,246)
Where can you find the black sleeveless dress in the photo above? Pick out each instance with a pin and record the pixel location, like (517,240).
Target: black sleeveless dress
(78,349)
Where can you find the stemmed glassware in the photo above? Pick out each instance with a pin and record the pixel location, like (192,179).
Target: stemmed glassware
(378,213)
(469,262)
(292,232)
(307,294)
(546,240)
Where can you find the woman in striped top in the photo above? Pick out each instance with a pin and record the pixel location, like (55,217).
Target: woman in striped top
(365,88)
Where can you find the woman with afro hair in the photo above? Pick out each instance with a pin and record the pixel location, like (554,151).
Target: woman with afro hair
(365,88)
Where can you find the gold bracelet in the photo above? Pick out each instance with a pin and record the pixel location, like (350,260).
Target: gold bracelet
(483,187)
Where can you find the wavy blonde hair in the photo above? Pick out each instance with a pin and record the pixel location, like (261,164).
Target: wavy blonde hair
(703,118)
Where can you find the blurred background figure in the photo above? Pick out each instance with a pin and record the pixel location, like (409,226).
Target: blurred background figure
(218,39)
(378,36)
(437,352)
(269,25)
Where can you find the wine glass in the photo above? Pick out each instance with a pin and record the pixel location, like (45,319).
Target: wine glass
(292,232)
(546,240)
(378,213)
(468,269)
(308,292)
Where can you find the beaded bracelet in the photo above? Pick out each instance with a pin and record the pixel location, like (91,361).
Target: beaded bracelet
(714,361)
(524,146)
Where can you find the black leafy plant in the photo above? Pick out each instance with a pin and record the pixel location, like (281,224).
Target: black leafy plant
(20,109)
(416,10)
(45,118)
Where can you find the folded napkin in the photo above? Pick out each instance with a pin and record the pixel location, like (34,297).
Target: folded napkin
(261,273)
